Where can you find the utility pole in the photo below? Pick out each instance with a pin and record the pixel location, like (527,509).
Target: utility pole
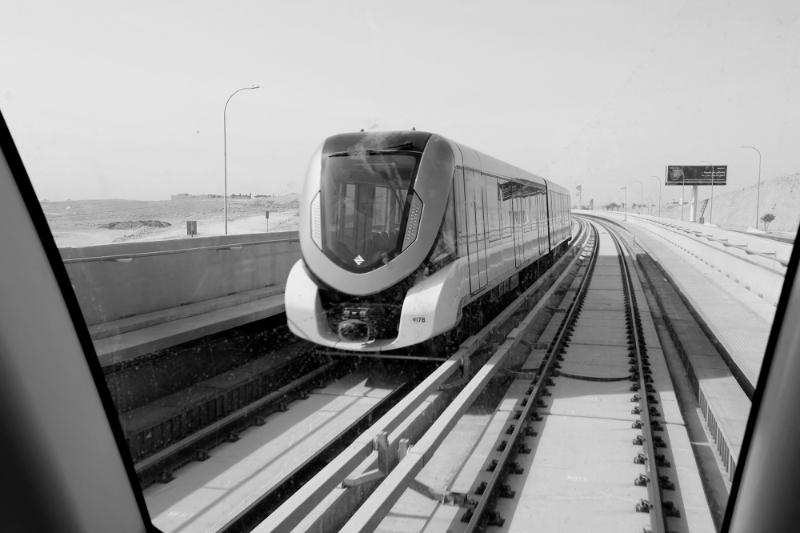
(625,201)
(711,207)
(659,194)
(225,137)
(641,193)
(758,187)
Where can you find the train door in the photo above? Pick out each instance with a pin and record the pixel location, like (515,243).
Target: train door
(476,243)
(541,210)
(494,228)
(551,227)
(461,222)
(518,216)
(505,200)
(530,232)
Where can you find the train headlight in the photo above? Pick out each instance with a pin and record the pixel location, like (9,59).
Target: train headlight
(354,330)
(412,226)
(316,222)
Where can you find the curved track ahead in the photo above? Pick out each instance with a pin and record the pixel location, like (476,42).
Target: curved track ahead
(610,450)
(590,438)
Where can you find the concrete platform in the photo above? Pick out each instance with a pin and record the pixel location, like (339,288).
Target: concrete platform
(719,374)
(534,360)
(126,339)
(578,477)
(600,335)
(207,495)
(591,366)
(739,320)
(579,474)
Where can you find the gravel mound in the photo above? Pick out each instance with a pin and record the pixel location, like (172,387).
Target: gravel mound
(134,224)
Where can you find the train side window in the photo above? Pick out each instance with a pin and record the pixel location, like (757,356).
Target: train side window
(445,248)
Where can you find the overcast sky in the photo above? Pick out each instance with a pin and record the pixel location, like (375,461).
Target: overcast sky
(125,100)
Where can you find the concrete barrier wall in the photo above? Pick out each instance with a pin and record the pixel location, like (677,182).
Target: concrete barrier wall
(108,290)
(782,250)
(761,280)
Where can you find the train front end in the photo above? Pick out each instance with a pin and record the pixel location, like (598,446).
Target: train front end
(374,242)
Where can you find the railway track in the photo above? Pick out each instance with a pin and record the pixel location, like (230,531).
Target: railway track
(597,368)
(586,433)
(387,456)
(241,480)
(370,442)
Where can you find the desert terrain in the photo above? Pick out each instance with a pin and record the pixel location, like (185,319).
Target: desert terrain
(78,223)
(737,210)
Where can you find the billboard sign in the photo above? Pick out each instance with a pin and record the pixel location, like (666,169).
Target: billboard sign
(696,175)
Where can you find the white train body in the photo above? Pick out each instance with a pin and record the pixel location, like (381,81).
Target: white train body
(400,231)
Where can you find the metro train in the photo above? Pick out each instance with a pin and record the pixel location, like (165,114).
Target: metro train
(405,233)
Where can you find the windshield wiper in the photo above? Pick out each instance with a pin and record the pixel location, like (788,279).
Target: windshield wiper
(403,146)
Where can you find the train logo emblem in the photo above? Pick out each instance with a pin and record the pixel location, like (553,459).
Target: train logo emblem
(358,260)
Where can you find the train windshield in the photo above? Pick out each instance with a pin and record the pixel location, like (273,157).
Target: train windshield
(365,197)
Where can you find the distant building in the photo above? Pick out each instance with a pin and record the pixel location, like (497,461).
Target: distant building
(182,196)
(240,196)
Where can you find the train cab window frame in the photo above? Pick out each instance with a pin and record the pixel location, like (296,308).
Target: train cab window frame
(350,187)
(446,249)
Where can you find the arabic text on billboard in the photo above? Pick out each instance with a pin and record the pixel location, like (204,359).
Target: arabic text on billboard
(684,175)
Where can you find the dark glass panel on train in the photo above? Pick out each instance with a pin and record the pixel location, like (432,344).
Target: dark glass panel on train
(445,248)
(365,200)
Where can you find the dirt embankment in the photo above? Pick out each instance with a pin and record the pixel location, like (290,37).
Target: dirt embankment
(76,223)
(135,224)
(779,196)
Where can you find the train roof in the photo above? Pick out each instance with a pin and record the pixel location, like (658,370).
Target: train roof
(376,140)
(417,140)
(555,187)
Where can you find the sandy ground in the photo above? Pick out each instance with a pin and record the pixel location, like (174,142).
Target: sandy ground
(737,210)
(282,221)
(76,223)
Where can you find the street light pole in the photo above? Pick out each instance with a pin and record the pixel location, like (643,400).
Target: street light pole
(659,194)
(624,202)
(711,207)
(758,187)
(683,192)
(641,193)
(225,136)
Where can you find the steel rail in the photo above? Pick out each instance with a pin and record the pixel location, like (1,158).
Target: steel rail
(271,499)
(127,258)
(379,504)
(305,500)
(657,516)
(195,447)
(552,353)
